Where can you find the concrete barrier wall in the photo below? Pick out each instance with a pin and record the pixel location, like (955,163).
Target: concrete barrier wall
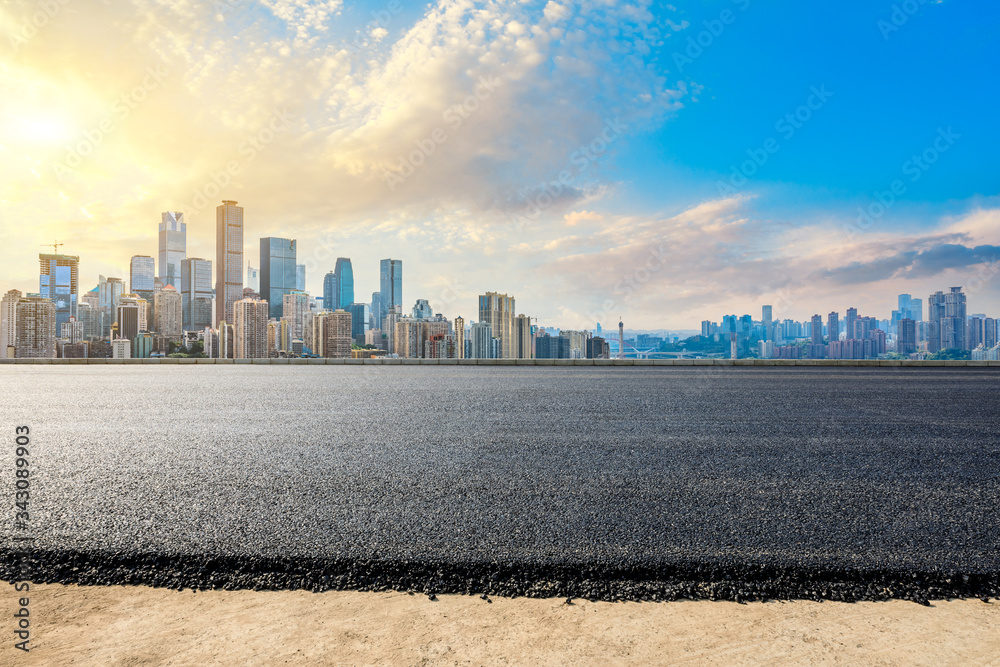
(504,362)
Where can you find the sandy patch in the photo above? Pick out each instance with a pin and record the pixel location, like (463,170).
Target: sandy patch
(119,626)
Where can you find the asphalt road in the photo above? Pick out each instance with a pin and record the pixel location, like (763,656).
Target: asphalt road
(604,482)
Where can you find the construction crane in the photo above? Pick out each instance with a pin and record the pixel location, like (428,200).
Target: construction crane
(55,246)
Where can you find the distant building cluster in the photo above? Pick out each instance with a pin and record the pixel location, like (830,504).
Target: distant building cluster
(183,306)
(229,308)
(906,333)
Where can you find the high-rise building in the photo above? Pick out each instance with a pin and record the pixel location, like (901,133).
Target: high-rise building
(110,292)
(8,323)
(390,286)
(524,341)
(332,334)
(422,310)
(481,335)
(250,329)
(552,347)
(59,282)
(169,313)
(906,339)
(228,259)
(141,276)
(817,330)
(766,318)
(916,312)
(389,328)
(598,348)
(277,272)
(974,332)
(173,248)
(343,284)
(376,312)
(196,293)
(253,278)
(300,277)
(833,326)
(295,307)
(497,310)
(460,337)
(127,318)
(953,322)
(412,334)
(359,320)
(989,332)
(852,317)
(330,291)
(36,328)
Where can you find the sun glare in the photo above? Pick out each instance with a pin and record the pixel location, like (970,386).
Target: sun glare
(44,129)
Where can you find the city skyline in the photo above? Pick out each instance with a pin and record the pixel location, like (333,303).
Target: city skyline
(685,188)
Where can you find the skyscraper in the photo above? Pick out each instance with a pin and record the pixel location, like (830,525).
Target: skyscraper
(196,293)
(359,320)
(8,323)
(935,312)
(523,340)
(59,281)
(173,248)
(852,317)
(228,259)
(390,286)
(332,335)
(422,310)
(953,323)
(36,328)
(817,330)
(110,291)
(376,321)
(141,276)
(497,310)
(277,272)
(330,291)
(460,337)
(766,319)
(250,329)
(300,277)
(343,284)
(127,318)
(833,326)
(253,278)
(482,340)
(295,307)
(906,341)
(169,311)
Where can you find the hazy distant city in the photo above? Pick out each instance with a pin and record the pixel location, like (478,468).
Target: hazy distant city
(175,305)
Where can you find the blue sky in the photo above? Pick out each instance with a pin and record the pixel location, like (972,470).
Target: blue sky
(437,133)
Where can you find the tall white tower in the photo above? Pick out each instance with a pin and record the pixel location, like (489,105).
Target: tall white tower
(621,339)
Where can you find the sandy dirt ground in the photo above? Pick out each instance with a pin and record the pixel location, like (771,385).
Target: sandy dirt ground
(119,626)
